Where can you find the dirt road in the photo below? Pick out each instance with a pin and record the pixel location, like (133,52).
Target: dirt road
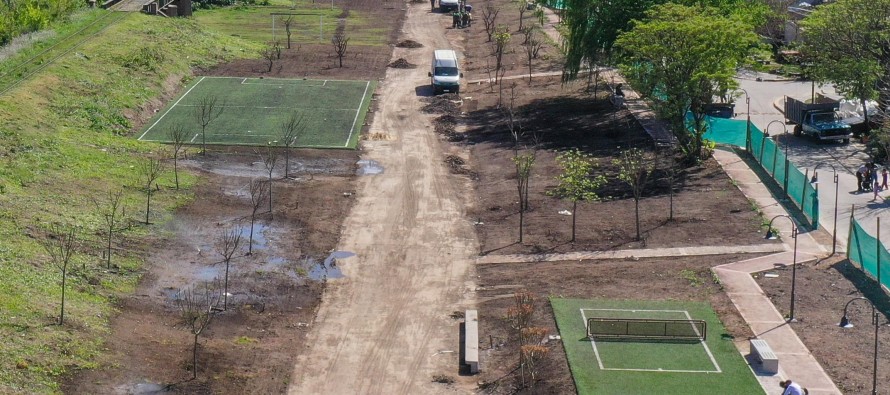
(385,327)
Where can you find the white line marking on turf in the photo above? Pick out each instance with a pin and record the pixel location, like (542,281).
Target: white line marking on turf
(592,343)
(193,138)
(324,83)
(171,107)
(244,81)
(684,312)
(357,112)
(707,350)
(275,108)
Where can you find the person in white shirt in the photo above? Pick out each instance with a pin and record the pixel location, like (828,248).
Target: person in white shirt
(792,388)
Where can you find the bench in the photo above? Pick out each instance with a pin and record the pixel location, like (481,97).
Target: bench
(471,340)
(769,362)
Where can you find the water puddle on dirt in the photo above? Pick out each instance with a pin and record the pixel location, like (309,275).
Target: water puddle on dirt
(143,389)
(208,273)
(328,268)
(367,167)
(259,236)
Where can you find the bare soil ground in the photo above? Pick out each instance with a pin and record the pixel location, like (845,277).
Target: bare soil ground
(687,278)
(822,290)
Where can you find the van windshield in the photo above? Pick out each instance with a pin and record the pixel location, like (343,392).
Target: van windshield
(446,71)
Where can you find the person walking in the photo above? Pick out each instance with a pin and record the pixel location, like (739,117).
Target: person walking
(884,175)
(432,5)
(860,178)
(792,388)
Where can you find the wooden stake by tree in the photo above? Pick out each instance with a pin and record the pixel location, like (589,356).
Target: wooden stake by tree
(287,25)
(290,131)
(489,19)
(634,167)
(227,245)
(178,136)
(340,42)
(270,159)
(576,182)
(112,210)
(151,171)
(671,168)
(257,198)
(196,309)
(206,112)
(60,243)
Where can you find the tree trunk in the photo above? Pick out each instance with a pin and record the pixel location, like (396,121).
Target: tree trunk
(195,358)
(865,114)
(671,215)
(286,160)
(637,215)
(147,204)
(203,140)
(250,244)
(574,216)
(176,170)
(521,218)
(62,312)
(270,194)
(108,247)
(226,287)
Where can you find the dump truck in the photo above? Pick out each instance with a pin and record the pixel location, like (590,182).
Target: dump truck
(818,120)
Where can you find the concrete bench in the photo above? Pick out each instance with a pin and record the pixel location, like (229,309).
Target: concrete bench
(761,351)
(471,343)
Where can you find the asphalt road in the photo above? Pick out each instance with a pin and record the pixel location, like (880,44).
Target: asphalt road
(806,153)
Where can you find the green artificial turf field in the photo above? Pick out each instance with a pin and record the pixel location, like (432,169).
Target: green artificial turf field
(253,110)
(637,366)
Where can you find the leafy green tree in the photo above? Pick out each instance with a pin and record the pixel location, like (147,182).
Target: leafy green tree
(634,168)
(680,58)
(576,182)
(848,42)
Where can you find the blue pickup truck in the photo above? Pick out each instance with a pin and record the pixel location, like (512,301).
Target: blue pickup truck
(818,120)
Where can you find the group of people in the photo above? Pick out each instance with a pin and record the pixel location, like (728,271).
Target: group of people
(867,179)
(462,16)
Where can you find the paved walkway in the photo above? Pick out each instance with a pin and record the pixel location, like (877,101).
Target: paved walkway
(633,254)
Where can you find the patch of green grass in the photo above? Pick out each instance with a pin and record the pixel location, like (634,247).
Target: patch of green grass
(245,340)
(653,361)
(64,142)
(331,112)
(314,24)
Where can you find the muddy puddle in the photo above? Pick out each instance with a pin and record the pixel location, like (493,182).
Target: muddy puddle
(367,167)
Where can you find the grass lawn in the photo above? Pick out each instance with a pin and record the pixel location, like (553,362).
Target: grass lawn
(313,23)
(253,110)
(639,366)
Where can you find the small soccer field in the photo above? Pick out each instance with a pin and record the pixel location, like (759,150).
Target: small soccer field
(253,110)
(646,366)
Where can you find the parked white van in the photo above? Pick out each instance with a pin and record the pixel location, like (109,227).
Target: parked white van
(445,74)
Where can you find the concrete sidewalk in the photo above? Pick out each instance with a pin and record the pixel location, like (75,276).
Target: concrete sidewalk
(795,360)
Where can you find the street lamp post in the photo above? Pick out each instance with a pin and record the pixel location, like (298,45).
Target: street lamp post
(845,323)
(771,236)
(815,181)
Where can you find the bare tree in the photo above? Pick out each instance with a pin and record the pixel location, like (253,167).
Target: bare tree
(227,245)
(60,244)
(257,198)
(268,53)
(151,170)
(671,168)
(340,42)
(634,168)
(287,25)
(276,45)
(196,309)
(501,39)
(177,135)
(489,19)
(291,130)
(523,8)
(113,210)
(270,160)
(206,112)
(519,316)
(533,45)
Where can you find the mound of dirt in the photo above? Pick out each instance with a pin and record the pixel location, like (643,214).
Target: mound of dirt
(409,44)
(442,104)
(401,63)
(445,125)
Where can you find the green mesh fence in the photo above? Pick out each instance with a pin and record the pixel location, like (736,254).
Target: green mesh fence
(865,250)
(771,157)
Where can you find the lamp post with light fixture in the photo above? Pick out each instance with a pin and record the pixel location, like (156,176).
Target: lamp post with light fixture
(845,323)
(772,236)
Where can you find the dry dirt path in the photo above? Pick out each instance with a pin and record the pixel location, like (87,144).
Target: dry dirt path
(383,328)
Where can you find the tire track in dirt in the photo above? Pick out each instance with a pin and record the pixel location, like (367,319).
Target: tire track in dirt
(380,328)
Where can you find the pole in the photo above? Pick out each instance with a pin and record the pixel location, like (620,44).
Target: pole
(793,270)
(874,372)
(878,253)
(785,181)
(834,230)
(850,231)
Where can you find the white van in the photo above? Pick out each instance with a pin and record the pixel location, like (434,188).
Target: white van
(445,74)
